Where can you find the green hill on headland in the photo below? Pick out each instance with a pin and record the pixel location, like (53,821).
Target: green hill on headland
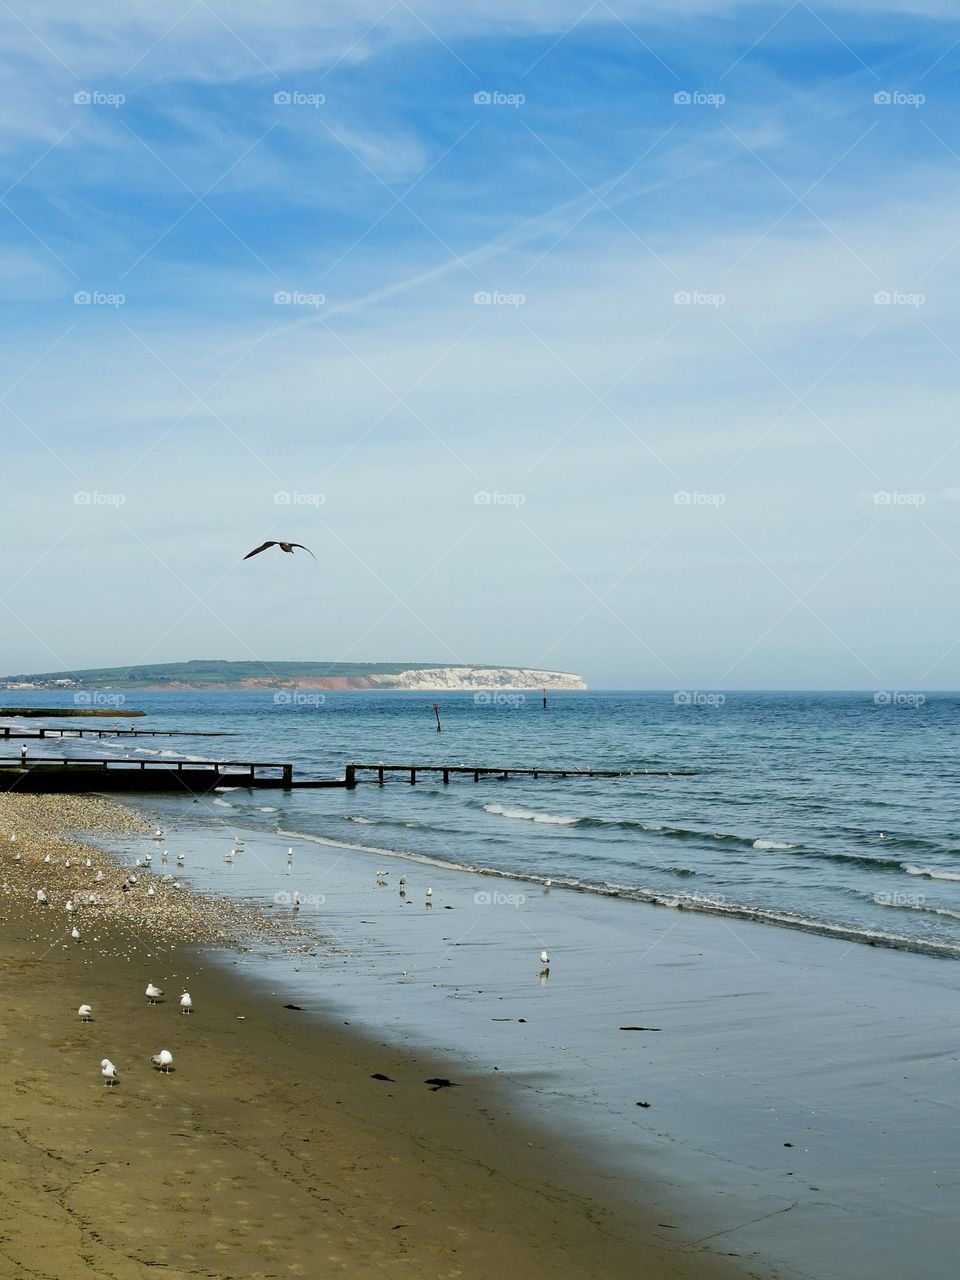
(214,673)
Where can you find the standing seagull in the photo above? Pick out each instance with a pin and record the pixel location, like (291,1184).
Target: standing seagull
(85,1013)
(284,546)
(186,1003)
(153,993)
(109,1072)
(162,1060)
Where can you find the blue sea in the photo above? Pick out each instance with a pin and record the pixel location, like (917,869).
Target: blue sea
(833,812)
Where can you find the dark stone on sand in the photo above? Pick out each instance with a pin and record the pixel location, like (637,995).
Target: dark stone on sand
(639,1028)
(298,1007)
(440,1082)
(643,1104)
(378,1075)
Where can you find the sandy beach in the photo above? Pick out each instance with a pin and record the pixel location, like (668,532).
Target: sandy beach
(271,1149)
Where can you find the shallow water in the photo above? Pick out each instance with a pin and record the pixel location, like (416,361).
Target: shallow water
(801,1089)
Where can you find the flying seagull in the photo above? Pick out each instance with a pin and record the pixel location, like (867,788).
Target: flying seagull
(284,546)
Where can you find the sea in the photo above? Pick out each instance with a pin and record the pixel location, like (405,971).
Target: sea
(835,813)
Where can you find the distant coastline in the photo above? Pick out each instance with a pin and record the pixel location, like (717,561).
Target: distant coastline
(206,675)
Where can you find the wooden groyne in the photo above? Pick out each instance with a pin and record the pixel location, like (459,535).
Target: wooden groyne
(380,772)
(9,731)
(80,773)
(64,773)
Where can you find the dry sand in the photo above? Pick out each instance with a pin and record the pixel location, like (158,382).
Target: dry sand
(270,1150)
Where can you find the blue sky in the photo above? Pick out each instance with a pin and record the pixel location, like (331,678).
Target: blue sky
(645,367)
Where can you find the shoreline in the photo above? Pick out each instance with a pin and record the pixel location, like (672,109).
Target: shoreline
(697,904)
(270,1148)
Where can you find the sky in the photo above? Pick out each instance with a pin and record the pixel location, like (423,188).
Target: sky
(617,339)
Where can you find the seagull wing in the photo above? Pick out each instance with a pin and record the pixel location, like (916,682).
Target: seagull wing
(302,547)
(256,551)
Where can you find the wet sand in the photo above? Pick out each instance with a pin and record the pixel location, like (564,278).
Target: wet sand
(270,1150)
(801,1087)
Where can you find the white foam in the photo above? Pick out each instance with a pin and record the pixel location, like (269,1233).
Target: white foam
(773,844)
(530,815)
(931,873)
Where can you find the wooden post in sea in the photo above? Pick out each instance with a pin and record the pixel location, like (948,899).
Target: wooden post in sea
(436,712)
(544,699)
(350,777)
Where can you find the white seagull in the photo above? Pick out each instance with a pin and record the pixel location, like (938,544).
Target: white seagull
(153,993)
(109,1072)
(186,1003)
(98,877)
(544,957)
(75,934)
(163,1060)
(41,898)
(85,1013)
(69,907)
(47,858)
